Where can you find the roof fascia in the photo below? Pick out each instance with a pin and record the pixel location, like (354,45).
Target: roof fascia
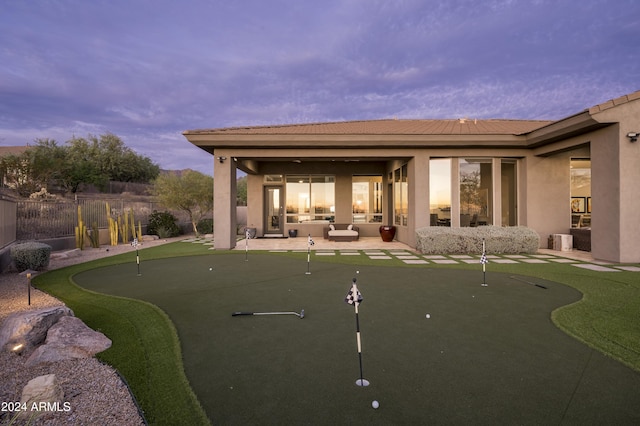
(209,141)
(561,130)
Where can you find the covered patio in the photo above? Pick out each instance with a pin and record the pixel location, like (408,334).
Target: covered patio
(300,243)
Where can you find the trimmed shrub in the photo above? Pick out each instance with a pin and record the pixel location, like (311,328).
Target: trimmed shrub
(205,226)
(31,255)
(163,224)
(498,240)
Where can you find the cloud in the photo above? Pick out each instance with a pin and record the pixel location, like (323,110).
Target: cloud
(148,71)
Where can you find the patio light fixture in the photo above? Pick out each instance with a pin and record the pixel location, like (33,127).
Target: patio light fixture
(221,159)
(633,136)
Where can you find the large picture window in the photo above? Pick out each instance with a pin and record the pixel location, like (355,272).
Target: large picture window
(310,198)
(440,191)
(476,192)
(400,196)
(509,195)
(366,199)
(580,193)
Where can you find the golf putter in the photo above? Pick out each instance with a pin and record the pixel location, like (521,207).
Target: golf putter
(300,315)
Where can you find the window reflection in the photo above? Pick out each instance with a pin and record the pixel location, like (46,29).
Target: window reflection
(310,198)
(367,199)
(476,192)
(440,192)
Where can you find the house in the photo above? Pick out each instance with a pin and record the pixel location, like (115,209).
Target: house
(577,173)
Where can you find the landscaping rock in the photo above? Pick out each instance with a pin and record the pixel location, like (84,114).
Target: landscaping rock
(29,328)
(40,395)
(67,339)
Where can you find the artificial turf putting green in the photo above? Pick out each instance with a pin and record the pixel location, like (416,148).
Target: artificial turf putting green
(487,355)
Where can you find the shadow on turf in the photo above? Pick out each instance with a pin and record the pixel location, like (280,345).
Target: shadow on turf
(486,355)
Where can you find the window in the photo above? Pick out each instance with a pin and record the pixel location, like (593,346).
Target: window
(272,178)
(400,196)
(366,198)
(509,192)
(310,197)
(440,191)
(476,192)
(580,192)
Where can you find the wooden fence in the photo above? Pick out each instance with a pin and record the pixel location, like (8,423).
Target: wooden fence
(38,220)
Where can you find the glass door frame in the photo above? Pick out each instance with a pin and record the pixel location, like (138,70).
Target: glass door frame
(273,223)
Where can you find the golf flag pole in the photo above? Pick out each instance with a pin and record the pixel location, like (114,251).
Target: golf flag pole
(309,244)
(134,244)
(484,261)
(355,298)
(246,244)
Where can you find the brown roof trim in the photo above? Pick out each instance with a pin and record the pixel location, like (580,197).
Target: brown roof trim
(393,132)
(614,102)
(462,126)
(576,124)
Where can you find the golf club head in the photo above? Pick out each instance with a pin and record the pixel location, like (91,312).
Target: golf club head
(302,314)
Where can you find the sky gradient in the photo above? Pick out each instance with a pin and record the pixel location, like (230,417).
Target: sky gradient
(146,70)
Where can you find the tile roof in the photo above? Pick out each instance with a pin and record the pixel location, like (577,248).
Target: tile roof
(12,150)
(463,126)
(614,102)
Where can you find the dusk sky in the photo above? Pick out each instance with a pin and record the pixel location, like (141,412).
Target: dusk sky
(146,70)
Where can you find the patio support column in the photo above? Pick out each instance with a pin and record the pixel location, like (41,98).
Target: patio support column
(496,195)
(455,192)
(224,201)
(418,196)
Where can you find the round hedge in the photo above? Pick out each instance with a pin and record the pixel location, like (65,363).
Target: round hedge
(30,255)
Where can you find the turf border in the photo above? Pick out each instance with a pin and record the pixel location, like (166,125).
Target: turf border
(605,310)
(146,347)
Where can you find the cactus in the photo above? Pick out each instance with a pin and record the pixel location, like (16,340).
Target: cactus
(133,226)
(121,228)
(139,231)
(113,228)
(94,236)
(81,230)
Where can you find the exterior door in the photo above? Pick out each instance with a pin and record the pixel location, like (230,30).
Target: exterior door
(273,210)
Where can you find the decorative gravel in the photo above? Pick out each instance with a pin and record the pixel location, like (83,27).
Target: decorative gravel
(94,393)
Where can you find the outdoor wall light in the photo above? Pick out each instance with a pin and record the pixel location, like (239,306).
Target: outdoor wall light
(221,159)
(633,136)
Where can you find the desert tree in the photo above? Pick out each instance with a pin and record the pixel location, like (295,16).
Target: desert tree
(189,191)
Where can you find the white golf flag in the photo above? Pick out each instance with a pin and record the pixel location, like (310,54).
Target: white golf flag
(353,296)
(310,240)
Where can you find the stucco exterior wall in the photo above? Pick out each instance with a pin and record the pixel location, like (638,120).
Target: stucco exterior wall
(617,182)
(543,153)
(224,203)
(547,191)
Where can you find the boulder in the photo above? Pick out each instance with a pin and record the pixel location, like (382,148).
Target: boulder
(67,339)
(29,328)
(40,395)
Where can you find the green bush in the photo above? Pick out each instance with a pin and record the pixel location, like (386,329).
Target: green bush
(205,226)
(163,223)
(31,255)
(498,240)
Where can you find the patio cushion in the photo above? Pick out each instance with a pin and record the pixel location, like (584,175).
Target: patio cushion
(341,232)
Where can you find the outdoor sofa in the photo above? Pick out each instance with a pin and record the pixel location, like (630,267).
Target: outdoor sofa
(341,232)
